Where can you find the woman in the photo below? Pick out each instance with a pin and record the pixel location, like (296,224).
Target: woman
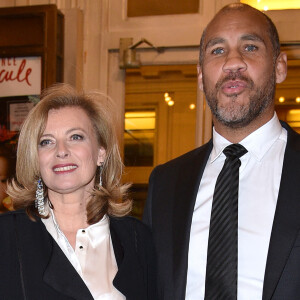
(69,238)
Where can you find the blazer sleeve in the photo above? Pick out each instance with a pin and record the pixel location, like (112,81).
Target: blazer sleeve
(147,216)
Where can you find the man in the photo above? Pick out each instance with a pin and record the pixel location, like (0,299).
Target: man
(240,64)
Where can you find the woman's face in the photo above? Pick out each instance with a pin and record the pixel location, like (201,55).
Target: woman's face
(69,152)
(3,176)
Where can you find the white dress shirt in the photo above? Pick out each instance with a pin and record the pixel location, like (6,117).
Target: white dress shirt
(259,182)
(93,257)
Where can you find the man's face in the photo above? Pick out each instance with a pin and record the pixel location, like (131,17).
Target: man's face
(238,73)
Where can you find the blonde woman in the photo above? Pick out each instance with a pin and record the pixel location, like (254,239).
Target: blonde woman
(69,237)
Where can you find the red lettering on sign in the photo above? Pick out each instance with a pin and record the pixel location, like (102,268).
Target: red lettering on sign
(22,74)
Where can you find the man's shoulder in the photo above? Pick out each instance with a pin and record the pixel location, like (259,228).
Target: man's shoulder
(188,158)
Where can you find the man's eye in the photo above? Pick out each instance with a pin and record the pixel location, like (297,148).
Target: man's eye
(76,137)
(218,51)
(45,142)
(251,48)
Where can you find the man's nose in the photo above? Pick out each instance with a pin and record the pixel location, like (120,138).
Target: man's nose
(234,63)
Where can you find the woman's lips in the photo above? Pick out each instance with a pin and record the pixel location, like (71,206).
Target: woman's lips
(64,168)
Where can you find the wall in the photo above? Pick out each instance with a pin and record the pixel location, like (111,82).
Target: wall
(94,29)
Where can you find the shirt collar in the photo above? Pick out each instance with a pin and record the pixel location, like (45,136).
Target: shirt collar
(95,232)
(257,143)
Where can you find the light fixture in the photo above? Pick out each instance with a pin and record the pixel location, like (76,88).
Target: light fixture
(298,99)
(168,99)
(192,106)
(281,99)
(128,57)
(266,8)
(171,103)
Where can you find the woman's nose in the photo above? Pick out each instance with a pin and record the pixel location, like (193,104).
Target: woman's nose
(62,150)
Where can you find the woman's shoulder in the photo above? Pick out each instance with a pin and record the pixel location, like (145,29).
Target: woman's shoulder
(129,224)
(11,216)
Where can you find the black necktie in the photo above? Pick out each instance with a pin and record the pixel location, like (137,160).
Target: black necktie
(221,268)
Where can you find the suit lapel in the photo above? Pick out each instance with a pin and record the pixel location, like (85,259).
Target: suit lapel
(184,202)
(62,276)
(286,220)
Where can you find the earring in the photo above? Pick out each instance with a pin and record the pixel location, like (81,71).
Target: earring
(39,198)
(100,173)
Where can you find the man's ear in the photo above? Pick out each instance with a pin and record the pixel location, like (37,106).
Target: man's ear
(200,78)
(281,67)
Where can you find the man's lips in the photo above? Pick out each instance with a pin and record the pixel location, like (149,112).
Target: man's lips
(64,168)
(234,86)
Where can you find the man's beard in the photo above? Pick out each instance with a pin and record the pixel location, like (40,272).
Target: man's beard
(234,114)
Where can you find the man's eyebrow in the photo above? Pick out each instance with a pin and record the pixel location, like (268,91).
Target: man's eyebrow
(252,37)
(214,42)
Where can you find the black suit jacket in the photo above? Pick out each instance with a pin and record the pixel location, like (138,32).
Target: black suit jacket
(169,208)
(33,267)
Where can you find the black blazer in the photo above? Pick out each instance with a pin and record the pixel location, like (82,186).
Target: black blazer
(169,208)
(33,267)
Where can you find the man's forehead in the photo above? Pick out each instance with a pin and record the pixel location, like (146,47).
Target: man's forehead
(244,25)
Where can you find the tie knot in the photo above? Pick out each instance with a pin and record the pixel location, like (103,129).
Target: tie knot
(235,150)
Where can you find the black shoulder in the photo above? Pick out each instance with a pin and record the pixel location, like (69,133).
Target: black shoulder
(128,223)
(188,158)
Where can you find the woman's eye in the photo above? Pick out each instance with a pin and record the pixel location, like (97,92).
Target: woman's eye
(218,51)
(76,137)
(45,142)
(251,48)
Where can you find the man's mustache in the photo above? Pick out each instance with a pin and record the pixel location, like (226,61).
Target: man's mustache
(235,76)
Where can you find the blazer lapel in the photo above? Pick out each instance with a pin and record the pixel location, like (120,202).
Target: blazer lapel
(186,193)
(286,220)
(62,276)
(129,278)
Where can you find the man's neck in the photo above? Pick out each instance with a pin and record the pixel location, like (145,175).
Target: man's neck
(235,135)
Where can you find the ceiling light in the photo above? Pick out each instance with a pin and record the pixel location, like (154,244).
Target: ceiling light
(281,99)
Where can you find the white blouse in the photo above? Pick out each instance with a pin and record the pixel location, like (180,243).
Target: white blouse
(93,257)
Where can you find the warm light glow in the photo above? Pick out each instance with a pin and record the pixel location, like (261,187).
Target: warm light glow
(140,114)
(140,120)
(171,103)
(166,95)
(298,99)
(281,99)
(273,4)
(167,99)
(192,106)
(294,112)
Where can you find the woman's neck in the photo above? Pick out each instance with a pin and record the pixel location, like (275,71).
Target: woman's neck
(70,215)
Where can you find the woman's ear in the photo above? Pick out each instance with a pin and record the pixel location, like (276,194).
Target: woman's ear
(101,156)
(281,67)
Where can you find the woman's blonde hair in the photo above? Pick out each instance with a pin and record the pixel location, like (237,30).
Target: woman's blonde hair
(111,198)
